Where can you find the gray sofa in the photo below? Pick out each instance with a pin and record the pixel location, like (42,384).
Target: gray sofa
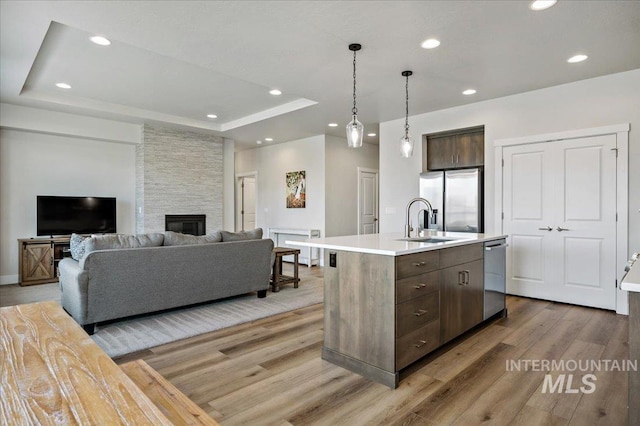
(110,284)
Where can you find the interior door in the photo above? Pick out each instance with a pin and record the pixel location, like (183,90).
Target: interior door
(528,181)
(367,202)
(246,203)
(585,221)
(559,203)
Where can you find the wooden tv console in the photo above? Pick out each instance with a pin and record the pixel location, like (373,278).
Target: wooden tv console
(38,259)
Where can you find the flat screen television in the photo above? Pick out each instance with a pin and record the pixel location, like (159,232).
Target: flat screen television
(83,215)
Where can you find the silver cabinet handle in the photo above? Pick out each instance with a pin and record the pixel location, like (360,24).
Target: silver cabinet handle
(419,264)
(419,286)
(466,277)
(421,344)
(460,277)
(546,228)
(559,229)
(420,312)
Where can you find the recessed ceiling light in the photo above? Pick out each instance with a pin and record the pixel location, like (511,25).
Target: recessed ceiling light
(212,116)
(333,124)
(268,139)
(275,92)
(469,92)
(259,142)
(430,43)
(577,58)
(63,85)
(102,41)
(371,134)
(541,4)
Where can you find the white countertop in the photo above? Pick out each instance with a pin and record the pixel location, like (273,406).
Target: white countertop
(391,244)
(631,282)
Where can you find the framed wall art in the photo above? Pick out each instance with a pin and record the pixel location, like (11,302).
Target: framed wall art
(296,190)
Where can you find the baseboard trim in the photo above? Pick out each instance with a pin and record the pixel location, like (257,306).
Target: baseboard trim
(8,279)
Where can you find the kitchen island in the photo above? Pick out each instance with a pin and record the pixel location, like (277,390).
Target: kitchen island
(389,300)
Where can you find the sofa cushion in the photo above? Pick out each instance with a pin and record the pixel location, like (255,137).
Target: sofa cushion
(254,234)
(118,241)
(177,239)
(77,246)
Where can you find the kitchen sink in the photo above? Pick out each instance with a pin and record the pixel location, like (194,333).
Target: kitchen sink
(428,240)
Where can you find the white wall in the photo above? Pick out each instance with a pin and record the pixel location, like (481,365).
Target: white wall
(48,152)
(34,164)
(272,163)
(342,162)
(601,101)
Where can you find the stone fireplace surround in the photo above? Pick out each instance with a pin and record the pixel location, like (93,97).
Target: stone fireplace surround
(178,171)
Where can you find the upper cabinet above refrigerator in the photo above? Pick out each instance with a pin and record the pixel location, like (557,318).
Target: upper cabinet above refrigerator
(455,149)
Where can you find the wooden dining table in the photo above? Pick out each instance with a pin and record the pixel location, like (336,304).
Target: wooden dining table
(51,372)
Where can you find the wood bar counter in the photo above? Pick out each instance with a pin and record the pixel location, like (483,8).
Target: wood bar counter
(51,372)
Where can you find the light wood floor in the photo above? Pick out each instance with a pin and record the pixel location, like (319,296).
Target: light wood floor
(270,372)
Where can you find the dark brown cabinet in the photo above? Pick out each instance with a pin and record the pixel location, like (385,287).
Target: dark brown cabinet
(462,289)
(453,150)
(39,257)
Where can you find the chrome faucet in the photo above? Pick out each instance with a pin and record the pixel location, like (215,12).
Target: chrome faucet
(407,226)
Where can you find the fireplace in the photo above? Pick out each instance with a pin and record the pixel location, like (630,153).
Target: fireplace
(193,224)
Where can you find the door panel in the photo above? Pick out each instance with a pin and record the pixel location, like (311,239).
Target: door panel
(368,202)
(527,218)
(586,211)
(249,203)
(583,257)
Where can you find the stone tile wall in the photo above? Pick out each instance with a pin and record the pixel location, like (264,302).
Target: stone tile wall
(178,172)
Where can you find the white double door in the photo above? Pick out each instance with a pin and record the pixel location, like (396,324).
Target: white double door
(559,201)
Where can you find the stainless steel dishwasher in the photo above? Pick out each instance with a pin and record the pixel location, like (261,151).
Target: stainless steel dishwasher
(495,277)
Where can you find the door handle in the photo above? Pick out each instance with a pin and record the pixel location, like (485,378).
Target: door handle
(546,228)
(375,219)
(559,229)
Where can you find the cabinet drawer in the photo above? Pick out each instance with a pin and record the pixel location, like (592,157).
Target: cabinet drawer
(416,286)
(417,344)
(416,313)
(462,254)
(416,264)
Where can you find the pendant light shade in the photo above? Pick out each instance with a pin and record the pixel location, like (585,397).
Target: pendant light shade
(406,142)
(355,132)
(355,129)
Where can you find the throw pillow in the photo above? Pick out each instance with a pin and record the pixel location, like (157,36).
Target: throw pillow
(254,234)
(118,241)
(177,239)
(77,246)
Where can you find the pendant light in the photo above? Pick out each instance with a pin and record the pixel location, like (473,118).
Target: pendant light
(355,129)
(406,143)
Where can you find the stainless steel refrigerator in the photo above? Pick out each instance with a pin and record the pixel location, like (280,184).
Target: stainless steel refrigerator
(456,198)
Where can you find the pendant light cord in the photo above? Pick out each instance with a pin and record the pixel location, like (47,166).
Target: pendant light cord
(354,110)
(406,120)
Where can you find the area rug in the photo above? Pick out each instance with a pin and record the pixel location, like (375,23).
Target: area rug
(132,335)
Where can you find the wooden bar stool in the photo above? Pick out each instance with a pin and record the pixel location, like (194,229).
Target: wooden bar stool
(277,279)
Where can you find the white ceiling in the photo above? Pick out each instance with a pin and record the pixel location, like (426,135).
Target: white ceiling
(173,62)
